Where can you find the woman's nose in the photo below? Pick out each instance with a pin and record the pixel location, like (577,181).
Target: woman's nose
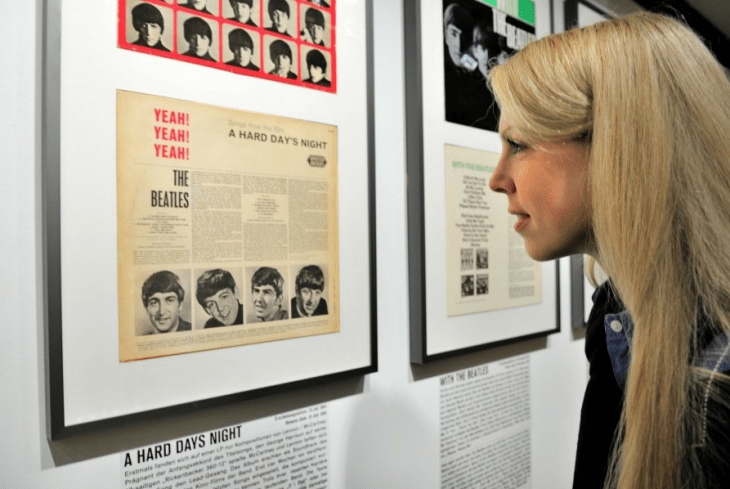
(500,180)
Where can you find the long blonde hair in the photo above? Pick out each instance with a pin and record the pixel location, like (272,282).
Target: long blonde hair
(655,105)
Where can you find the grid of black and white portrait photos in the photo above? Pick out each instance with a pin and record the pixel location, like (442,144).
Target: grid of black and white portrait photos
(286,41)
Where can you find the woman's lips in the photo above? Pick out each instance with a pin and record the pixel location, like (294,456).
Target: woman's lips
(522,220)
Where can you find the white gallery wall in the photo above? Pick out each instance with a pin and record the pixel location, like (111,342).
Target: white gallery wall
(384,429)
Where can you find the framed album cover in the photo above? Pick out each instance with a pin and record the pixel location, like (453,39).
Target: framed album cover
(197,247)
(472,284)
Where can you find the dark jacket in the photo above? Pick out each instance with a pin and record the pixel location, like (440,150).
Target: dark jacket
(249,66)
(159,46)
(290,75)
(608,343)
(193,54)
(322,83)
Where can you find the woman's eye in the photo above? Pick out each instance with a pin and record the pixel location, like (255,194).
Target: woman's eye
(514,146)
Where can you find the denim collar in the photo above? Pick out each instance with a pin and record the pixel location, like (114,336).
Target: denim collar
(619,330)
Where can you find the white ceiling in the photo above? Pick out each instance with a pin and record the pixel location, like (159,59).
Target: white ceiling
(717,12)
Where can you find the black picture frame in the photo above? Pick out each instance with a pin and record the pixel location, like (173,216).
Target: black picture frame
(57,426)
(577,293)
(419,293)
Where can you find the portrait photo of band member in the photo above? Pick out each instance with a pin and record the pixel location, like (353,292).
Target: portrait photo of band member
(321,3)
(317,67)
(267,296)
(281,63)
(201,6)
(471,49)
(149,25)
(199,38)
(279,17)
(461,76)
(314,26)
(483,46)
(308,289)
(217,294)
(163,299)
(244,12)
(243,49)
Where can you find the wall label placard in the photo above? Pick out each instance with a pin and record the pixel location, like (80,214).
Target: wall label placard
(486,426)
(287,450)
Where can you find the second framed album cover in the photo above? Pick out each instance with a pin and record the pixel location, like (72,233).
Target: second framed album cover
(472,285)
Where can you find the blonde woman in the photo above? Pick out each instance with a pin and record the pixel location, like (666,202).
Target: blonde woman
(616,144)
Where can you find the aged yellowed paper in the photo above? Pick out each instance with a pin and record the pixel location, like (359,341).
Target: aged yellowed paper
(227,227)
(487,267)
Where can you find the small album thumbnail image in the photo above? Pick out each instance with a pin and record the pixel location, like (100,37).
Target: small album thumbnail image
(244,12)
(199,38)
(467,285)
(315,26)
(209,7)
(467,259)
(482,258)
(290,41)
(280,18)
(482,284)
(316,67)
(149,26)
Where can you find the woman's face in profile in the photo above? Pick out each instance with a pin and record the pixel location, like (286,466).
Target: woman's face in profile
(547,190)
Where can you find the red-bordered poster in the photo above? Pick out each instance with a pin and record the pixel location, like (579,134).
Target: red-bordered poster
(287,41)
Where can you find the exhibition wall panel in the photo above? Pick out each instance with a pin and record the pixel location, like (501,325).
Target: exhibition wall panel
(384,428)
